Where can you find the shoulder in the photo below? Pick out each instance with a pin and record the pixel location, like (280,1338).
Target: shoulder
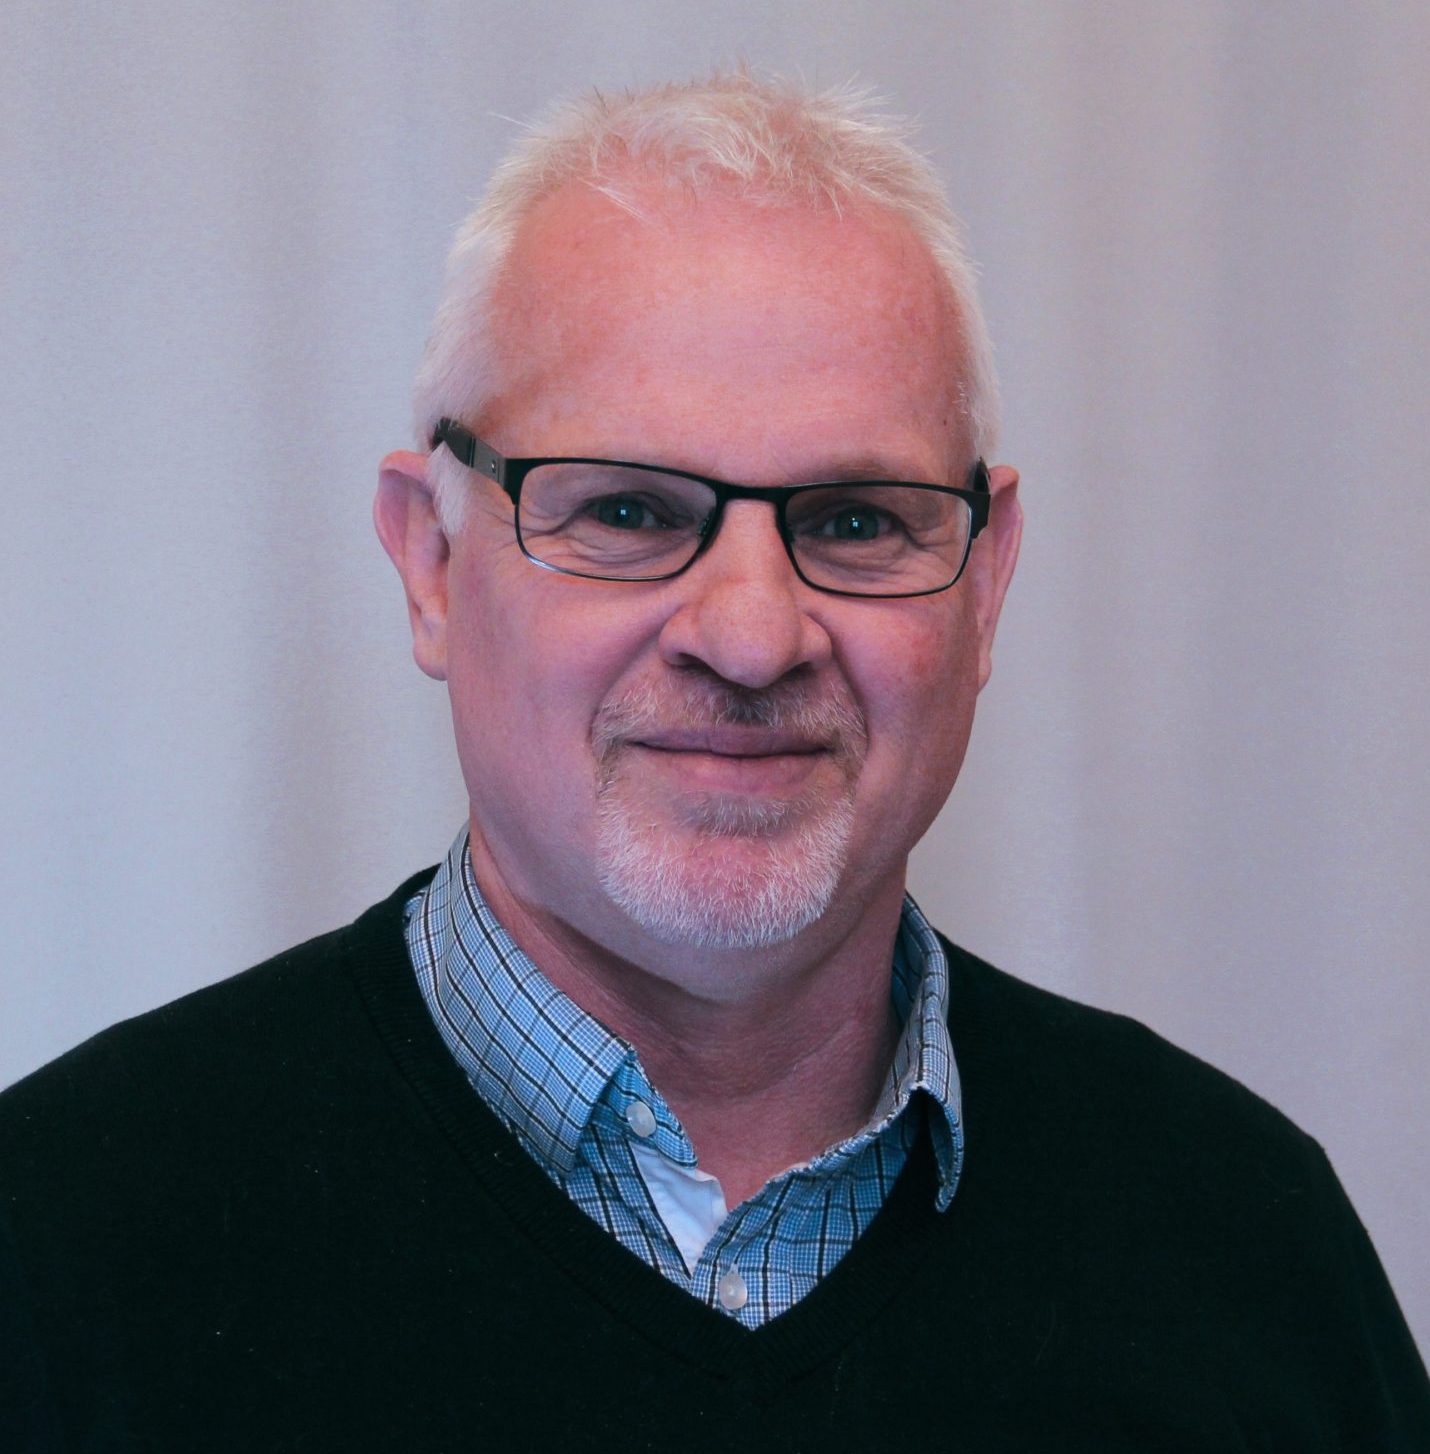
(1104,1098)
(1050,1040)
(1121,1179)
(205,1059)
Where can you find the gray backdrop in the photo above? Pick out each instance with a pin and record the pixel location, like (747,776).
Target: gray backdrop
(1197,790)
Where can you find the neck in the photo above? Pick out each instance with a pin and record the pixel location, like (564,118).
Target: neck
(764,1084)
(769,1056)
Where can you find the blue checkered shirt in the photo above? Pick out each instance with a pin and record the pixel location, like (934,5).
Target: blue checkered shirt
(577,1099)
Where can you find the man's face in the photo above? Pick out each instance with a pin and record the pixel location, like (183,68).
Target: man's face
(722,758)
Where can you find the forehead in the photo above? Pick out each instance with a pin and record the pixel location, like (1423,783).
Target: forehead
(701,321)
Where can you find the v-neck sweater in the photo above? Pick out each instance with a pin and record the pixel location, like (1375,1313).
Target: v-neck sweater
(273,1216)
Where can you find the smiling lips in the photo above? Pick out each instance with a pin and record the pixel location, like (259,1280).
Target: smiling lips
(734,759)
(733,741)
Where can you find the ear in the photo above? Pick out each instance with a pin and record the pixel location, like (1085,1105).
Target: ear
(405,514)
(992,559)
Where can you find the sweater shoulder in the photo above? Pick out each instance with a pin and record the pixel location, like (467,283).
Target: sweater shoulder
(1031,1052)
(215,1047)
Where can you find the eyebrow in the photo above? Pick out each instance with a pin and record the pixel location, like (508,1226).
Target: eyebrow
(861,467)
(835,469)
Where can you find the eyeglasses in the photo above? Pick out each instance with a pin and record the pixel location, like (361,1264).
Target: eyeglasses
(610,520)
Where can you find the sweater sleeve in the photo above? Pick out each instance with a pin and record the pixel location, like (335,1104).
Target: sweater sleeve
(1384,1394)
(26,1422)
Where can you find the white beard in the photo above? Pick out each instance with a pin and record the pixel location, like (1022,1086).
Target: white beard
(727,872)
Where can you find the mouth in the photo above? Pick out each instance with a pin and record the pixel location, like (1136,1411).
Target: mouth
(690,742)
(732,741)
(741,760)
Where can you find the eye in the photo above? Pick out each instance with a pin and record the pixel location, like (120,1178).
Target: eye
(626,512)
(857,523)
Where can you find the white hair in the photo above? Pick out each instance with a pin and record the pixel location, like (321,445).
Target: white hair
(769,139)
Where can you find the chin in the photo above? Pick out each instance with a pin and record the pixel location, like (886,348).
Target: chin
(736,874)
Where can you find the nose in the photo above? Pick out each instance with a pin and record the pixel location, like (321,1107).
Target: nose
(744,614)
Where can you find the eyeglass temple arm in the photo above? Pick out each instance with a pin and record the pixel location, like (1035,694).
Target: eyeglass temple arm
(978,507)
(469,449)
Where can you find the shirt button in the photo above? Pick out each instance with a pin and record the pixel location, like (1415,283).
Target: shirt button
(732,1292)
(641,1119)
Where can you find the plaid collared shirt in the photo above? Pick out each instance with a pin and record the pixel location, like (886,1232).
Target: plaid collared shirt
(577,1099)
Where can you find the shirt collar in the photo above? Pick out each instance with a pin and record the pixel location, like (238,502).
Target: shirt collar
(532,1054)
(923,1059)
(545,1066)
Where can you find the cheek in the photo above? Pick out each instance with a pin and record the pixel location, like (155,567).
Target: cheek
(923,672)
(918,685)
(532,656)
(496,680)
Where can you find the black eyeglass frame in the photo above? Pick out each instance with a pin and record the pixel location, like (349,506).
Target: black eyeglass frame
(510,474)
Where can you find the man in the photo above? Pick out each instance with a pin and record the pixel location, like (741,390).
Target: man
(642,1119)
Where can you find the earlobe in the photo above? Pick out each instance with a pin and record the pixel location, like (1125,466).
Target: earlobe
(405,515)
(995,555)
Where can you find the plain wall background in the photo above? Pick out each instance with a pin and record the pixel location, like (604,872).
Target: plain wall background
(1197,790)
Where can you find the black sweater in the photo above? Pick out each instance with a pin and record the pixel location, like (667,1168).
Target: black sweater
(273,1216)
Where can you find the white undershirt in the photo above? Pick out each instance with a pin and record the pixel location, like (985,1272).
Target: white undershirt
(691,1202)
